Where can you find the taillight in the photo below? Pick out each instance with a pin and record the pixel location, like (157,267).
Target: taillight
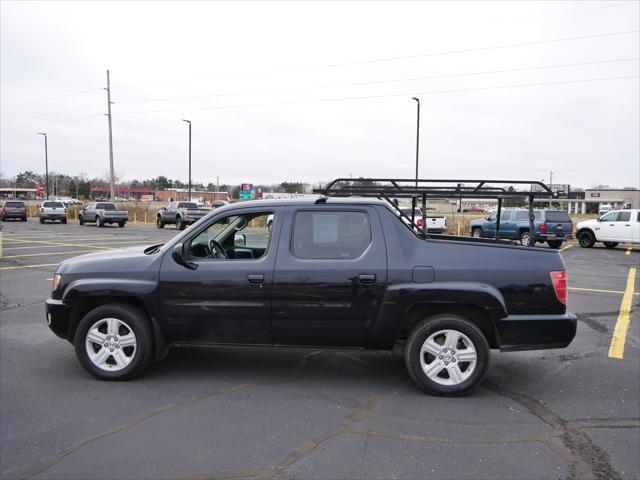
(65,210)
(543,228)
(419,223)
(42,210)
(559,280)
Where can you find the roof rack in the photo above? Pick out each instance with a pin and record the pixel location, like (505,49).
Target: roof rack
(416,188)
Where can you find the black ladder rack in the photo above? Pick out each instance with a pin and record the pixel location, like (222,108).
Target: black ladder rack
(393,188)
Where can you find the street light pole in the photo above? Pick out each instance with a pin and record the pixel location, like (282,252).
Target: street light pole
(417,137)
(189,122)
(46,161)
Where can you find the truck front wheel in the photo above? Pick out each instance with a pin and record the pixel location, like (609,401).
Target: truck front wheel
(447,355)
(159,222)
(114,342)
(476,233)
(586,239)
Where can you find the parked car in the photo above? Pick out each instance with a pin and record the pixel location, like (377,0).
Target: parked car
(68,200)
(345,273)
(53,210)
(604,208)
(180,213)
(13,209)
(103,213)
(613,228)
(435,223)
(474,210)
(551,226)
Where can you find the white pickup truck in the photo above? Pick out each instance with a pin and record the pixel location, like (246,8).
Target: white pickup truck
(435,223)
(617,226)
(53,210)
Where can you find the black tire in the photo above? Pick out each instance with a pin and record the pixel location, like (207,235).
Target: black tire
(611,244)
(586,239)
(64,221)
(525,239)
(476,233)
(42,220)
(554,243)
(139,324)
(180,223)
(423,330)
(99,222)
(121,224)
(80,220)
(159,222)
(24,219)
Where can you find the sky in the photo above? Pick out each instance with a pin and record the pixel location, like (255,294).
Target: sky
(306,91)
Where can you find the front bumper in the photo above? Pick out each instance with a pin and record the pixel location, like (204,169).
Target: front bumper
(58,315)
(536,332)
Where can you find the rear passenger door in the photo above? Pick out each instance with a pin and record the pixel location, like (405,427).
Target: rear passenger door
(330,276)
(623,227)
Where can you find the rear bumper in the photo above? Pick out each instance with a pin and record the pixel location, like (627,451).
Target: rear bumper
(115,219)
(536,332)
(53,216)
(58,315)
(14,215)
(552,236)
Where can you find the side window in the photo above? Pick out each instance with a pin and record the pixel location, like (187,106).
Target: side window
(505,215)
(522,215)
(624,216)
(638,219)
(235,237)
(609,217)
(330,234)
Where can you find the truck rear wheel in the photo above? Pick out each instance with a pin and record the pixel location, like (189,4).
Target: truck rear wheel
(447,355)
(586,239)
(180,223)
(99,222)
(80,220)
(554,243)
(114,342)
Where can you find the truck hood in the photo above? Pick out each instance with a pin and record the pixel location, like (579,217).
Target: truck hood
(122,260)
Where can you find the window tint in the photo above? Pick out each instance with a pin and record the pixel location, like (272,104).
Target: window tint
(624,216)
(53,204)
(14,204)
(558,216)
(407,212)
(609,217)
(505,215)
(188,205)
(326,235)
(523,215)
(105,206)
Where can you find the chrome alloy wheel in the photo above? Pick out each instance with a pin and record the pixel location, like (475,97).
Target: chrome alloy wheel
(111,344)
(448,357)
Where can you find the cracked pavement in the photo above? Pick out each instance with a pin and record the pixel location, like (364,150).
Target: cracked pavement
(230,412)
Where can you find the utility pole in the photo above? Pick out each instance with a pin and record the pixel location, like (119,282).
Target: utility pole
(217,187)
(46,161)
(550,183)
(417,138)
(189,122)
(111,174)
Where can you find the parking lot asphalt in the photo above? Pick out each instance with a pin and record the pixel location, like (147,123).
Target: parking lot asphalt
(310,413)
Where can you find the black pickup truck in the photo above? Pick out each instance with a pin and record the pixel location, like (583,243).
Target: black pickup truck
(342,273)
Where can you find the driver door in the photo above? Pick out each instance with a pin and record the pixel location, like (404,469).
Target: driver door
(226,298)
(606,228)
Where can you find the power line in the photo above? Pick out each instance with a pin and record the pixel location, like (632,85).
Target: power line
(388,59)
(63,120)
(50,98)
(54,113)
(378,82)
(406,94)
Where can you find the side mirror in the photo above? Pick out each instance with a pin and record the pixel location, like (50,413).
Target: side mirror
(239,239)
(178,256)
(163,208)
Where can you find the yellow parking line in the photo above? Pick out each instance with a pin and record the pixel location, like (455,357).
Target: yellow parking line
(47,253)
(616,350)
(28,266)
(565,248)
(596,290)
(628,252)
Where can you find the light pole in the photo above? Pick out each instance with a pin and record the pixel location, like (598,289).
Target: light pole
(417,137)
(46,161)
(189,122)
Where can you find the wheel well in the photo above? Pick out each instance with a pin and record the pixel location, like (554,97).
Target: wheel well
(478,315)
(85,305)
(585,229)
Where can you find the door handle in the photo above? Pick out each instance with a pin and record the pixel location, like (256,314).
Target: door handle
(367,278)
(255,278)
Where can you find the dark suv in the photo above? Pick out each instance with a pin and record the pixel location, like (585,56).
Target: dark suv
(13,209)
(551,226)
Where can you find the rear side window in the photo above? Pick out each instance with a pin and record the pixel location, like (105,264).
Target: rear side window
(14,204)
(331,234)
(53,204)
(524,215)
(188,205)
(558,216)
(624,216)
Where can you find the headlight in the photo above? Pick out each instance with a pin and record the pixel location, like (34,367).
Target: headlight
(57,278)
